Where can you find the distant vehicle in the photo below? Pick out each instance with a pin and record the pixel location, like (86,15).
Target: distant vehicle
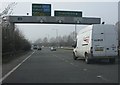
(53,49)
(35,47)
(61,47)
(39,48)
(42,46)
(98,41)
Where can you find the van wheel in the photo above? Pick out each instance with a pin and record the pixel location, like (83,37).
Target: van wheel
(87,60)
(74,56)
(112,60)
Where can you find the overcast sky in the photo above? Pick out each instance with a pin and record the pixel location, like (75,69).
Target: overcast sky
(107,11)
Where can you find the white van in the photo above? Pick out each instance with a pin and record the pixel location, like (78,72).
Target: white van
(98,41)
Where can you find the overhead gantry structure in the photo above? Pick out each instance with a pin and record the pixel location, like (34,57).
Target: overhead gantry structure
(50,20)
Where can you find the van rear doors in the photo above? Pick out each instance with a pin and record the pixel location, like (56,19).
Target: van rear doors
(104,40)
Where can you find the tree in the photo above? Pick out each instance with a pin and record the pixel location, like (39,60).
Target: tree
(45,41)
(8,10)
(69,40)
(52,41)
(38,41)
(12,40)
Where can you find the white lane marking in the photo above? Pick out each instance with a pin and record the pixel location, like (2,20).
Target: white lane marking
(4,77)
(55,56)
(66,61)
(76,65)
(102,78)
(99,76)
(71,63)
(85,69)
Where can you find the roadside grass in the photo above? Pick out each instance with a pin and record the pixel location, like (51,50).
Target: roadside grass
(11,56)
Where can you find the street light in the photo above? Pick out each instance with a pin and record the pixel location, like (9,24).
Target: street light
(75,31)
(56,35)
(47,37)
(77,22)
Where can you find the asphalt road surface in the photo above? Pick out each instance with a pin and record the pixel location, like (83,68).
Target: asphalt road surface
(47,66)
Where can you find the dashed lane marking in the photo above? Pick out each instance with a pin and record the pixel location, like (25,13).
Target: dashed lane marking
(66,61)
(85,69)
(71,63)
(102,78)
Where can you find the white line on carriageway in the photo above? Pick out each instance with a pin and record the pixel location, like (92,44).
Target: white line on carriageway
(4,77)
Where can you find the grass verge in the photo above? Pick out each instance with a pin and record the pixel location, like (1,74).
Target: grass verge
(11,56)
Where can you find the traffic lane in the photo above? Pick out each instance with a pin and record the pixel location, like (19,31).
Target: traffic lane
(104,69)
(48,72)
(53,52)
(56,71)
(46,67)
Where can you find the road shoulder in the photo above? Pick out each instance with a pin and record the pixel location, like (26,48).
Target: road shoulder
(9,66)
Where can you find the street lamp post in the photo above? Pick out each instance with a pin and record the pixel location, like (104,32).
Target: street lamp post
(75,31)
(56,35)
(47,38)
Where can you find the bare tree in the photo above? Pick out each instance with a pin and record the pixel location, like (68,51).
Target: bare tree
(52,41)
(38,41)
(45,41)
(8,10)
(13,41)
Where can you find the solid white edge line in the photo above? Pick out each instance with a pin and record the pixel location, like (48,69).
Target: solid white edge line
(3,78)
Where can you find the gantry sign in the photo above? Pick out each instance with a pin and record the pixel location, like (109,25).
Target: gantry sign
(41,9)
(41,13)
